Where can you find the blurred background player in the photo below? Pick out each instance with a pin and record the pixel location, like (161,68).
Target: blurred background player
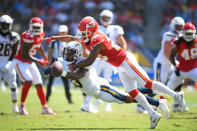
(162,66)
(8,46)
(25,63)
(115,33)
(55,50)
(185,48)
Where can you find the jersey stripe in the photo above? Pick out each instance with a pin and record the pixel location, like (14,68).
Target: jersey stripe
(136,70)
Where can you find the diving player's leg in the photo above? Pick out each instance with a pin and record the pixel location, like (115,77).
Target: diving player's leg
(135,71)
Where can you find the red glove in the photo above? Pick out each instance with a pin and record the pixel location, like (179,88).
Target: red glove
(42,62)
(48,40)
(72,67)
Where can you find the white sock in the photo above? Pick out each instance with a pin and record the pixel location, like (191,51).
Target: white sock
(141,99)
(86,102)
(162,88)
(97,103)
(14,92)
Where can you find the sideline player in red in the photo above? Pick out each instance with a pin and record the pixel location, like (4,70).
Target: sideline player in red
(129,70)
(25,63)
(186,50)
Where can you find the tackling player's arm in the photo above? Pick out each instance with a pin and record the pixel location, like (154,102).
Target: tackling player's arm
(65,38)
(26,53)
(92,57)
(76,75)
(122,41)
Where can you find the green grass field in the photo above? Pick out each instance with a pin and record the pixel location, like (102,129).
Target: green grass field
(69,117)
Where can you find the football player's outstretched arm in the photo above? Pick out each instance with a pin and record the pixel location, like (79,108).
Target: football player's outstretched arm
(92,57)
(65,38)
(26,52)
(77,75)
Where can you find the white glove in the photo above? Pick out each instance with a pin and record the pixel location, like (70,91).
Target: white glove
(6,67)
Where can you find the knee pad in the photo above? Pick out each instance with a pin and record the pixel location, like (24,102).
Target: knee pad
(134,93)
(149,84)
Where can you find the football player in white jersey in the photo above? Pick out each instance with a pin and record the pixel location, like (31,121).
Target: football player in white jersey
(87,80)
(115,33)
(8,47)
(162,66)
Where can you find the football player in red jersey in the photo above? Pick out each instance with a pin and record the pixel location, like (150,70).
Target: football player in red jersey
(129,70)
(186,50)
(25,63)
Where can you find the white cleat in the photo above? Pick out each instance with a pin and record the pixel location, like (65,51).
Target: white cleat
(154,118)
(140,109)
(181,101)
(89,109)
(164,108)
(108,107)
(15,108)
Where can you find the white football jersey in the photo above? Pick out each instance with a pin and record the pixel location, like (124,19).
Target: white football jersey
(112,31)
(167,36)
(6,43)
(90,83)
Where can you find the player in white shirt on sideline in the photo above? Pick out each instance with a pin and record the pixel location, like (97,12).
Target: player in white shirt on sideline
(115,33)
(8,47)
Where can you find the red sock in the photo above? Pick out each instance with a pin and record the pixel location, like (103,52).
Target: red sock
(25,91)
(41,95)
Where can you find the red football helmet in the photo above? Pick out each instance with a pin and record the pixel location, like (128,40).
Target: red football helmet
(36,26)
(189,32)
(87,28)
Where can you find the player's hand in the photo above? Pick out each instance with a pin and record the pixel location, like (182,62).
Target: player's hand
(47,72)
(47,40)
(43,62)
(177,71)
(6,67)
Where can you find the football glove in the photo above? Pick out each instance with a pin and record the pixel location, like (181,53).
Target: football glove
(47,72)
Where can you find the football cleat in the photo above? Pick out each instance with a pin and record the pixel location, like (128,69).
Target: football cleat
(46,110)
(154,118)
(164,107)
(140,109)
(180,100)
(108,107)
(15,108)
(22,110)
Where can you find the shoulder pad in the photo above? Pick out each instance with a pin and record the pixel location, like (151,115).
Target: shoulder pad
(15,36)
(169,34)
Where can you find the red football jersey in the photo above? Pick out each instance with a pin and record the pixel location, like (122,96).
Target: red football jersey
(34,41)
(112,53)
(187,54)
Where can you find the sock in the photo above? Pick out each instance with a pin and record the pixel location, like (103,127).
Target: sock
(25,91)
(14,93)
(86,102)
(152,101)
(41,95)
(141,99)
(164,89)
(97,102)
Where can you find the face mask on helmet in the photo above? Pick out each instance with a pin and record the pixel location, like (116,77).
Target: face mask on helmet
(87,28)
(177,24)
(36,26)
(73,51)
(189,32)
(106,17)
(5,24)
